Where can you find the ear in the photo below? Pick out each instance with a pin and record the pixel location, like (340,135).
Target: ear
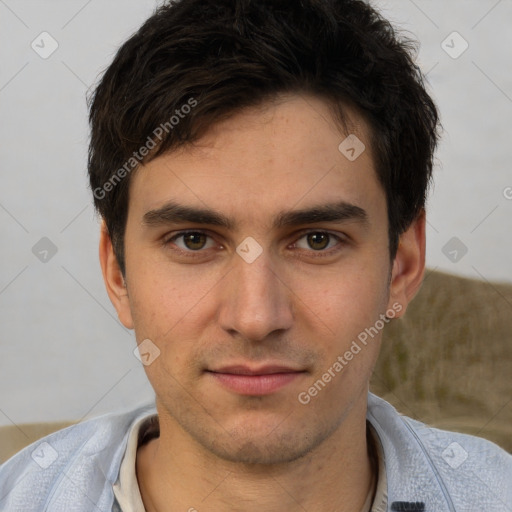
(409,265)
(113,278)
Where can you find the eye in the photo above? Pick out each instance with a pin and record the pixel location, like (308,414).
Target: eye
(191,241)
(318,241)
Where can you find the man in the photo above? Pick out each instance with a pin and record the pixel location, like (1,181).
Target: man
(261,169)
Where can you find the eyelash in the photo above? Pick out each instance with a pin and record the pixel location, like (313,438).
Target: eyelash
(316,254)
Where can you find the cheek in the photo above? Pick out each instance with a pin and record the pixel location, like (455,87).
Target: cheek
(161,295)
(345,300)
(351,347)
(172,310)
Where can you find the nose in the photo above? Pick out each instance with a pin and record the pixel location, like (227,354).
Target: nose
(255,300)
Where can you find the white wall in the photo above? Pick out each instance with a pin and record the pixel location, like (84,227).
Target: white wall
(64,354)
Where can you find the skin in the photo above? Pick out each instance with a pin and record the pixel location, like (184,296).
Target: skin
(206,307)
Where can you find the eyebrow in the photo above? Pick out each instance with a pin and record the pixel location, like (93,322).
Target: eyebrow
(173,213)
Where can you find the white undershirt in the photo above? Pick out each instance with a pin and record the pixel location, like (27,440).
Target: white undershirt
(127,492)
(126,489)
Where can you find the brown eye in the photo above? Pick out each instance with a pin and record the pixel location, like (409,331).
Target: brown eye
(318,241)
(194,241)
(191,241)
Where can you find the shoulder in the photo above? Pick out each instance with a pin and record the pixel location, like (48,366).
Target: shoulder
(448,470)
(71,466)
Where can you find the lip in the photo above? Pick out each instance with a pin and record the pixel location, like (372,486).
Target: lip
(242,369)
(251,381)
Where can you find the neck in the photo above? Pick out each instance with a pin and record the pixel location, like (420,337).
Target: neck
(177,474)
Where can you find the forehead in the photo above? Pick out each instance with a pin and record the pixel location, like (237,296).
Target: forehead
(285,153)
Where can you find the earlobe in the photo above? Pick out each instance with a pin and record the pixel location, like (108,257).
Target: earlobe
(408,265)
(114,280)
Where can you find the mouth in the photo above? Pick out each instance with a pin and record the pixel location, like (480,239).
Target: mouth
(251,381)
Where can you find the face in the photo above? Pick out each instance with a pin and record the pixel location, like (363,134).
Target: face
(254,260)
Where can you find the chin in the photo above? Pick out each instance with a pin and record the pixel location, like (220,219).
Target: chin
(279,445)
(265,452)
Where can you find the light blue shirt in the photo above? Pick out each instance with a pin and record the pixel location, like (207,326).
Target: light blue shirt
(427,469)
